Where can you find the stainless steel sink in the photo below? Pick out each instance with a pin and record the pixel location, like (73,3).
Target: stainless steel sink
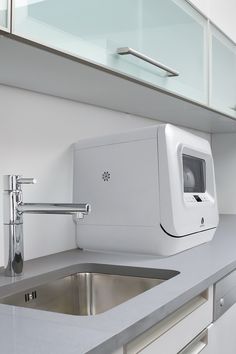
(89,293)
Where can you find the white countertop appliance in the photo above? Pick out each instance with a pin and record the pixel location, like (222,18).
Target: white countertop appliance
(151,190)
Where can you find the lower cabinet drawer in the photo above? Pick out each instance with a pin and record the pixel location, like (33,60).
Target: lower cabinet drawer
(183,332)
(198,345)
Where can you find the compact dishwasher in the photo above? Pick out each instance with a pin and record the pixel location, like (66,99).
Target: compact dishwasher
(152,190)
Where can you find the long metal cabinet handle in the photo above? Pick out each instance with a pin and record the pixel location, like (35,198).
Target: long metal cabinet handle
(131,51)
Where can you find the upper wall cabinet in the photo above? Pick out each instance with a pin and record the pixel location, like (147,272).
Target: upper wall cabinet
(161,42)
(222,73)
(5,15)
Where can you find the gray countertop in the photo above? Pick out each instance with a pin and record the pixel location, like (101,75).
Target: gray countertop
(32,331)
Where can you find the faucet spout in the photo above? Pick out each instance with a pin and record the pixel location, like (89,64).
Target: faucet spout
(14,209)
(54,208)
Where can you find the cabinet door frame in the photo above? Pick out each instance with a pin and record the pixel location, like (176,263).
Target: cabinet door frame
(9,17)
(214,31)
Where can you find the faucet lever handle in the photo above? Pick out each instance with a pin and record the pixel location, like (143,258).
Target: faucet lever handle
(22,180)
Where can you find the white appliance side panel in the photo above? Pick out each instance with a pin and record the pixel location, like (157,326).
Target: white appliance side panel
(120,181)
(149,132)
(139,240)
(142,240)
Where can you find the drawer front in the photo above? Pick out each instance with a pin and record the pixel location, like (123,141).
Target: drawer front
(198,345)
(179,330)
(222,339)
(170,33)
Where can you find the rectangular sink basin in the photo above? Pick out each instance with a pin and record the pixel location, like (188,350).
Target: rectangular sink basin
(89,293)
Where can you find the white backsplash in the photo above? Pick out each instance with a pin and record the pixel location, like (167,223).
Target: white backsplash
(36,135)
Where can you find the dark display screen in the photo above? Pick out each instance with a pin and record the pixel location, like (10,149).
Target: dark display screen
(198,199)
(194,173)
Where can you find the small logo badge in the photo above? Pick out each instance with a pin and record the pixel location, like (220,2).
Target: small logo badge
(202,221)
(106,176)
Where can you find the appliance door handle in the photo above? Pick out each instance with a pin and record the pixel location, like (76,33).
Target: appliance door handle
(135,53)
(197,344)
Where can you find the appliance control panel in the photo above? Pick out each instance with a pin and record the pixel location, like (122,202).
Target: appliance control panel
(196,198)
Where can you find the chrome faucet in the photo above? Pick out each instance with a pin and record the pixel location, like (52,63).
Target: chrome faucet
(13,212)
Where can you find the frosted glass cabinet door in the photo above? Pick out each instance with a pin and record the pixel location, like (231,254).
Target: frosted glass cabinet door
(223,73)
(174,34)
(168,31)
(5,15)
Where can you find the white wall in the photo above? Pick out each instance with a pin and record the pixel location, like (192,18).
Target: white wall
(220,12)
(224,152)
(35,140)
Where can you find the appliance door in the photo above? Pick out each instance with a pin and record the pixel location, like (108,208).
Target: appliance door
(187,183)
(194,174)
